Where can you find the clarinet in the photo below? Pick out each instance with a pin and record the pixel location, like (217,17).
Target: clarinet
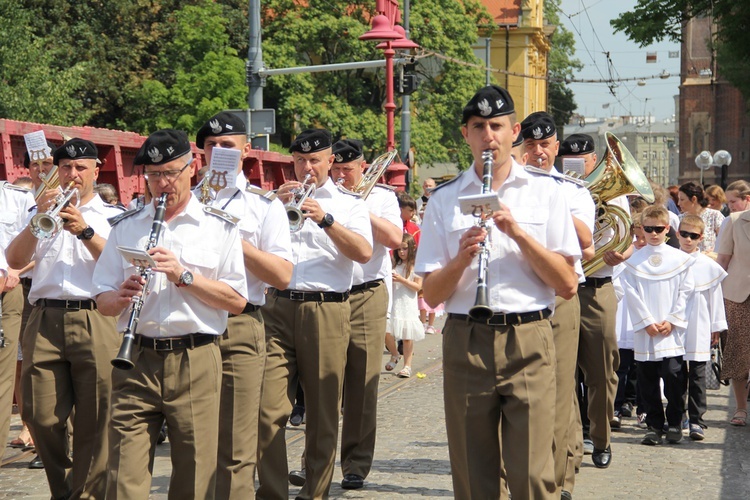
(481,310)
(123,360)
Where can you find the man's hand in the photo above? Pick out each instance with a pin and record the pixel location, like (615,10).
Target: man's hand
(613,258)
(285,191)
(11,280)
(167,263)
(75,223)
(312,210)
(505,222)
(468,245)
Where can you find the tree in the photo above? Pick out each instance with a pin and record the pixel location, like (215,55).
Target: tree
(561,67)
(653,21)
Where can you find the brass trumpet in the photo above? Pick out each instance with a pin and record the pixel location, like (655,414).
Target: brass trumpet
(299,195)
(46,225)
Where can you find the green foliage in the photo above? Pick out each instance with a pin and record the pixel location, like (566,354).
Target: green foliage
(561,67)
(653,21)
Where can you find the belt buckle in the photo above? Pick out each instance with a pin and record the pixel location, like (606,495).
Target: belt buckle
(498,319)
(73,304)
(295,295)
(167,345)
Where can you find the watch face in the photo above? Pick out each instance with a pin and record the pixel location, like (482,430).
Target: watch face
(328,219)
(186,278)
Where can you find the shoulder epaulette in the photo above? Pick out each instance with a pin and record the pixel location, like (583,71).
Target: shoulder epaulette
(386,186)
(441,186)
(8,185)
(118,207)
(120,217)
(537,170)
(221,214)
(263,193)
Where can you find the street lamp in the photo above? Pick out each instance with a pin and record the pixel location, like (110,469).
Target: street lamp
(723,159)
(704,161)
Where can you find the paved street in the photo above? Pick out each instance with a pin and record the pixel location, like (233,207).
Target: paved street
(412,452)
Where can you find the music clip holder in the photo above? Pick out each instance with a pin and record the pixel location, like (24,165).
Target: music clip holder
(137,257)
(478,205)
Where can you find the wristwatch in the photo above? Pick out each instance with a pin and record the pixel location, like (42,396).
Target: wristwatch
(86,234)
(186,279)
(326,222)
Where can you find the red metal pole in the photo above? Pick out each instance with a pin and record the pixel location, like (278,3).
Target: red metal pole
(390,106)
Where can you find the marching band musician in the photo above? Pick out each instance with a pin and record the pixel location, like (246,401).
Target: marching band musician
(68,343)
(15,203)
(198,277)
(308,325)
(369,304)
(541,144)
(499,374)
(598,355)
(266,246)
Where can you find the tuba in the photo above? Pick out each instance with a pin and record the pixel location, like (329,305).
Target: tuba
(299,195)
(46,225)
(617,174)
(371,176)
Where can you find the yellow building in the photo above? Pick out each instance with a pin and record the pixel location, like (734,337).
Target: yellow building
(520,45)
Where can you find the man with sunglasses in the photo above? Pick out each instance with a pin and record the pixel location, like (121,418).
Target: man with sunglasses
(68,344)
(198,277)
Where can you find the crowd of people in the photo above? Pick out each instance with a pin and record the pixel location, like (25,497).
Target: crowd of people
(237,322)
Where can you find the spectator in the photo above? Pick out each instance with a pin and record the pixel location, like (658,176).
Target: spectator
(693,200)
(108,193)
(717,199)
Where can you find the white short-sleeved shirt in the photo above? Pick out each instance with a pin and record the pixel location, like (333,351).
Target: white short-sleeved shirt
(582,207)
(318,264)
(381,202)
(538,206)
(203,243)
(263,223)
(15,204)
(606,271)
(64,267)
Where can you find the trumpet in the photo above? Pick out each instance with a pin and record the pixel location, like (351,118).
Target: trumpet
(374,172)
(481,310)
(123,360)
(46,225)
(299,195)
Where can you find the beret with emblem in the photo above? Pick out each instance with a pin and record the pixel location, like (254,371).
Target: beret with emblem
(27,160)
(488,102)
(537,126)
(347,150)
(76,149)
(162,147)
(577,144)
(224,123)
(311,140)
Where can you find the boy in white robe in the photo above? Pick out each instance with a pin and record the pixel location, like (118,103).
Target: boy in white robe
(706,318)
(658,281)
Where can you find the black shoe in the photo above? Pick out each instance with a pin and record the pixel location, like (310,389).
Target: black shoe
(653,437)
(352,482)
(297,477)
(36,463)
(627,409)
(162,434)
(298,414)
(602,458)
(566,495)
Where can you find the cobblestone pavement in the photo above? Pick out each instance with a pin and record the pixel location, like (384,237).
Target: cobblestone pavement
(411,458)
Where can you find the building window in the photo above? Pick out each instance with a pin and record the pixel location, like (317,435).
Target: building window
(645,155)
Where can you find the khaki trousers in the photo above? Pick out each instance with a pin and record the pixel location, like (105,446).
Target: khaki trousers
(575,446)
(499,387)
(599,357)
(363,358)
(243,359)
(305,342)
(181,387)
(565,325)
(12,303)
(66,366)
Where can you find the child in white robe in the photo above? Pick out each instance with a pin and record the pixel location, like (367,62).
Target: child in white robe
(657,280)
(706,318)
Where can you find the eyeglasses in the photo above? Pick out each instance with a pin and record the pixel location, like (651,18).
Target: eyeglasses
(170,175)
(654,229)
(692,236)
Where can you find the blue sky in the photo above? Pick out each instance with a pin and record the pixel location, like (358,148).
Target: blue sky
(588,20)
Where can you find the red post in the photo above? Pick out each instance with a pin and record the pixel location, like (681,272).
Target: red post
(390,106)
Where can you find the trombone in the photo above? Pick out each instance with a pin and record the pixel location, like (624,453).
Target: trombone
(293,208)
(49,181)
(371,176)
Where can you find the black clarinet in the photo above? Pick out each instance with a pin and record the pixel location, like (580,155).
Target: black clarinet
(481,310)
(123,360)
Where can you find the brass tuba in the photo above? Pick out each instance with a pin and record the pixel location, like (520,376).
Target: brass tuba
(371,176)
(617,174)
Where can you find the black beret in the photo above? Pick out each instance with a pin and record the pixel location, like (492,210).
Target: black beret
(539,125)
(27,160)
(162,147)
(518,140)
(488,102)
(577,144)
(76,149)
(224,123)
(347,150)
(311,140)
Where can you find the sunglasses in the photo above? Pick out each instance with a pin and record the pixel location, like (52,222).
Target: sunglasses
(692,236)
(654,229)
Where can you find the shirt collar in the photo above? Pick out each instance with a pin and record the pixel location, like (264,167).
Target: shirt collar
(470,179)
